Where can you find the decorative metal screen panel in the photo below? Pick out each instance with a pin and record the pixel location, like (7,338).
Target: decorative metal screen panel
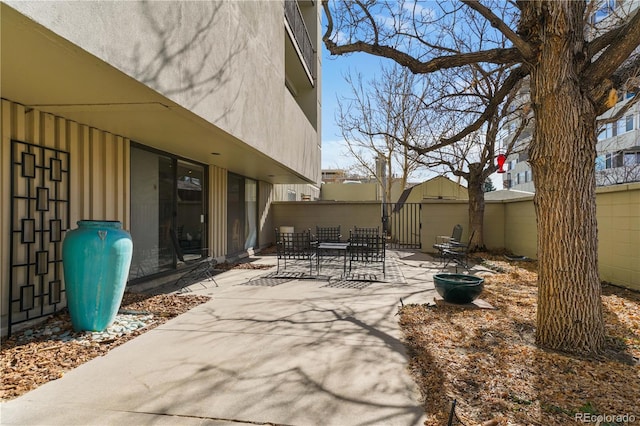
(39,218)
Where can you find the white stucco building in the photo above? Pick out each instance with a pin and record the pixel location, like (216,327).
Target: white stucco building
(177,118)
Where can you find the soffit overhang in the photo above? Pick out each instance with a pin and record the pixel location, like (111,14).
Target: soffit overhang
(44,71)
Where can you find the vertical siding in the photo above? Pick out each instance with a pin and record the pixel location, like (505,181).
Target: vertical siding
(99,171)
(7,119)
(217,211)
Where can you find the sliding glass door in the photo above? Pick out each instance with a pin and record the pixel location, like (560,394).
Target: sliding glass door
(190,224)
(167,211)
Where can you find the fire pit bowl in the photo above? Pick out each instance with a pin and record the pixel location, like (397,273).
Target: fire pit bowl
(458,288)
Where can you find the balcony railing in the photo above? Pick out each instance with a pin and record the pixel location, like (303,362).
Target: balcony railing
(300,33)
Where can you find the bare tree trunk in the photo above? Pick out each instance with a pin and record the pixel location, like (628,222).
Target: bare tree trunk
(562,157)
(475,190)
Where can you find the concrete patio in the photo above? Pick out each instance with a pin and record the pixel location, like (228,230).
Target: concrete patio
(263,350)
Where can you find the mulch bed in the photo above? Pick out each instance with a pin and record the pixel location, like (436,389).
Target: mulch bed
(26,363)
(487,360)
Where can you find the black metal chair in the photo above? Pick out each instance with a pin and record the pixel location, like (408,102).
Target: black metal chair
(365,231)
(294,246)
(443,243)
(459,254)
(199,269)
(328,234)
(367,247)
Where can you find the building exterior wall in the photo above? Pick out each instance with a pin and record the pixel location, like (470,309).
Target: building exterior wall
(195,82)
(223,61)
(217,212)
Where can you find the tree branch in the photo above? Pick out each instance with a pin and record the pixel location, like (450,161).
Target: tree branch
(620,113)
(494,56)
(510,82)
(523,47)
(618,51)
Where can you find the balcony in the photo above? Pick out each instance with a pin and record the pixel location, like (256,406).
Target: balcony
(300,35)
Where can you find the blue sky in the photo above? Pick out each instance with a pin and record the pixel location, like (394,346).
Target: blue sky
(333,85)
(334,151)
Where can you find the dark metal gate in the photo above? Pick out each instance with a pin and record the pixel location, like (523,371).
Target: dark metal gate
(402,224)
(39,218)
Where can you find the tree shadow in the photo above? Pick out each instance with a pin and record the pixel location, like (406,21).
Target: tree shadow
(307,352)
(186,61)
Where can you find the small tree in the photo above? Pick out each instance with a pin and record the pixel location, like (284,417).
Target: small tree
(488,186)
(380,120)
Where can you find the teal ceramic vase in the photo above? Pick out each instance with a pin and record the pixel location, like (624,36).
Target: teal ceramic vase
(96,258)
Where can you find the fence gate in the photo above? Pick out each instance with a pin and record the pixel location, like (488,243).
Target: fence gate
(39,217)
(401,221)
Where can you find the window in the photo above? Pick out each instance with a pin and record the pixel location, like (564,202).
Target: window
(629,123)
(631,158)
(603,134)
(614,160)
(291,195)
(242,213)
(605,9)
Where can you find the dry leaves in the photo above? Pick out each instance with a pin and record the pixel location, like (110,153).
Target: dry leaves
(488,362)
(25,365)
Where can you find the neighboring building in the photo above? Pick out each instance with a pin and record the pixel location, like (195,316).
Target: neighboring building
(439,187)
(618,150)
(333,175)
(177,118)
(436,188)
(618,147)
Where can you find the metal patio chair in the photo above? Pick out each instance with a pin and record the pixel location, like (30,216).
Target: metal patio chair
(367,247)
(328,234)
(449,243)
(458,254)
(199,269)
(294,246)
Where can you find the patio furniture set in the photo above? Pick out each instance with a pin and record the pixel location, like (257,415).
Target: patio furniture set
(364,246)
